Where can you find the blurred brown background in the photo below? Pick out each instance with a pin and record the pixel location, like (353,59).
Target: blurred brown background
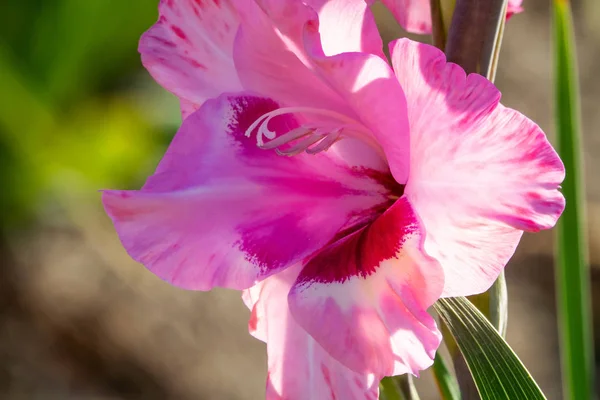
(78,318)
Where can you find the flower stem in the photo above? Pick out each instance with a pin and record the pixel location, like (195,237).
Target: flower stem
(475,33)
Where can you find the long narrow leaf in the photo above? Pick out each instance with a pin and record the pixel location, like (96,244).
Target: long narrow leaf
(572,272)
(497,371)
(445,381)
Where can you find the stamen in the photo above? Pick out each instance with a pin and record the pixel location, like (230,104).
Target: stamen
(324,135)
(286,138)
(301,146)
(326,143)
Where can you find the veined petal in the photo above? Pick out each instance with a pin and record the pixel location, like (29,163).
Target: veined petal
(219,211)
(480,173)
(365,297)
(189,50)
(299,368)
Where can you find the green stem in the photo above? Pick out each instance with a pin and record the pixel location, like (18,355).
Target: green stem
(572,270)
(473,34)
(441,17)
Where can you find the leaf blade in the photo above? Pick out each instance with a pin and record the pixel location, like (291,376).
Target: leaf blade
(572,269)
(496,370)
(447,385)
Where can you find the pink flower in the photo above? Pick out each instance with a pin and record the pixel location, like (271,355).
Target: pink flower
(400,186)
(415,15)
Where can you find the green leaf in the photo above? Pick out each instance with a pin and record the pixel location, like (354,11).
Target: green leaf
(572,271)
(494,304)
(497,371)
(445,381)
(399,387)
(388,390)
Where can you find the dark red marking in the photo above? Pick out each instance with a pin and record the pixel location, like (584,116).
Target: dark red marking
(196,64)
(163,41)
(196,11)
(360,253)
(181,34)
(384,178)
(253,321)
(327,378)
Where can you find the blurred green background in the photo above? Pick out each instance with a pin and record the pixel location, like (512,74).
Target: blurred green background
(78,113)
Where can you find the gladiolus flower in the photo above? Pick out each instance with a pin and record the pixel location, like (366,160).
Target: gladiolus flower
(343,196)
(415,15)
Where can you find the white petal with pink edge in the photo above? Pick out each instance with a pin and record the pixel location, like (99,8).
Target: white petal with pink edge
(480,173)
(365,297)
(219,211)
(299,368)
(189,51)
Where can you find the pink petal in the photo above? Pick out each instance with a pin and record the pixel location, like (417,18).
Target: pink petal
(187,107)
(299,368)
(189,50)
(219,211)
(344,25)
(275,66)
(413,15)
(480,173)
(365,89)
(373,93)
(365,297)
(278,66)
(513,7)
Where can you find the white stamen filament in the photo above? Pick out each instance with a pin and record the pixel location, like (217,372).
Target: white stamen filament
(326,143)
(313,138)
(300,146)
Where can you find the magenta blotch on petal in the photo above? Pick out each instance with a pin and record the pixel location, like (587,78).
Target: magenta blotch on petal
(364,298)
(219,211)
